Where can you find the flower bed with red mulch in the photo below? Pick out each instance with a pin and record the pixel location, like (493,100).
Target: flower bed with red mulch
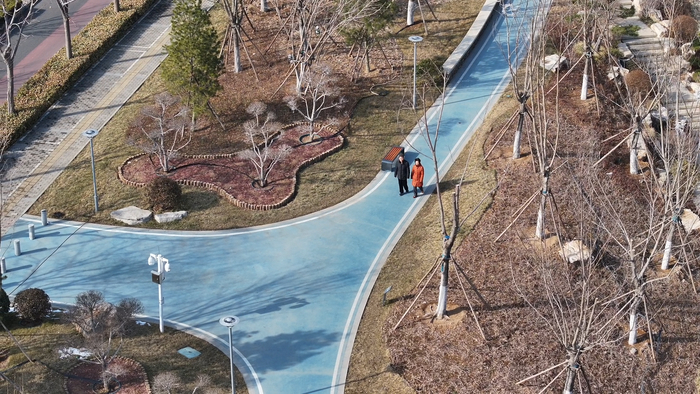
(133,379)
(233,177)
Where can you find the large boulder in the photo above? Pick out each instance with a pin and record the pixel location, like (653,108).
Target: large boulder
(167,217)
(574,251)
(132,215)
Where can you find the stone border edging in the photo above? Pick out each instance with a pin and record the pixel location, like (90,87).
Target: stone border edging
(460,53)
(241,204)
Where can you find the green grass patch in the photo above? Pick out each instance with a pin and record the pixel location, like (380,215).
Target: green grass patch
(626,30)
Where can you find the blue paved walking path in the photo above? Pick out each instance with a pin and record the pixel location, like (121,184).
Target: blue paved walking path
(298,287)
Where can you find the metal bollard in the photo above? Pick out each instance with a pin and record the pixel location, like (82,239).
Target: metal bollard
(31,232)
(44,218)
(18,251)
(3,267)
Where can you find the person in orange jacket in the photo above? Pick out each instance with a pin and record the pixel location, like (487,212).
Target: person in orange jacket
(417,174)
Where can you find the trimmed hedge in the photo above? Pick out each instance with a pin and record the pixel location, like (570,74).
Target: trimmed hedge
(59,74)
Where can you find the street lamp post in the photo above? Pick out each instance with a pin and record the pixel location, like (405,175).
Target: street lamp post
(157,277)
(230,321)
(92,133)
(415,40)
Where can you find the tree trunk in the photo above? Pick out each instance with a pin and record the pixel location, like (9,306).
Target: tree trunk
(584,84)
(667,249)
(236,50)
(570,378)
(447,245)
(66,27)
(444,280)
(519,130)
(367,63)
(263,5)
(117,8)
(540,229)
(409,13)
(10,67)
(69,46)
(634,164)
(632,338)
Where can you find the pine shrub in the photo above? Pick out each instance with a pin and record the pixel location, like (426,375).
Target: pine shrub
(32,304)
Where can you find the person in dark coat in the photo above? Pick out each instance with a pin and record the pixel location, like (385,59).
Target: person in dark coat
(402,172)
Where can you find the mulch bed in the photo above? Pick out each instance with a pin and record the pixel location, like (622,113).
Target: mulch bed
(519,344)
(235,176)
(133,380)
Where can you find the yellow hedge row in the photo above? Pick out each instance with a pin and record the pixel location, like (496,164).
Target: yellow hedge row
(59,74)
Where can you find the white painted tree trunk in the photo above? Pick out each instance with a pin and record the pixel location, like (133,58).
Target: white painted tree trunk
(634,164)
(263,5)
(442,297)
(236,50)
(410,11)
(584,83)
(667,250)
(540,229)
(519,132)
(632,339)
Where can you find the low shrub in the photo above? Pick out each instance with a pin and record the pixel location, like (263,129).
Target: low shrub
(684,29)
(4,303)
(32,305)
(164,194)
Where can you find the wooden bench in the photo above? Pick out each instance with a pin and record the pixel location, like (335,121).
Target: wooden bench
(390,159)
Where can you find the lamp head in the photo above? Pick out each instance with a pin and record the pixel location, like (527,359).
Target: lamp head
(166,265)
(152,259)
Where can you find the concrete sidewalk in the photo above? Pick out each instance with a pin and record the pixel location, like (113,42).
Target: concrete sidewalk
(38,158)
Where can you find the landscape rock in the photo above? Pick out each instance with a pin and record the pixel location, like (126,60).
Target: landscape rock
(616,71)
(554,62)
(690,220)
(626,53)
(574,251)
(659,29)
(132,215)
(167,217)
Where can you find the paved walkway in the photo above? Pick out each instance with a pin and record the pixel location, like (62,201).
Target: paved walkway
(299,286)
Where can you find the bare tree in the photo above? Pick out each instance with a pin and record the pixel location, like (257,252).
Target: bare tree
(319,94)
(573,303)
(166,128)
(16,16)
(450,227)
(166,382)
(63,6)
(312,23)
(261,137)
(237,14)
(103,326)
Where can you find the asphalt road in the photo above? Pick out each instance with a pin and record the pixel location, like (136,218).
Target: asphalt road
(44,36)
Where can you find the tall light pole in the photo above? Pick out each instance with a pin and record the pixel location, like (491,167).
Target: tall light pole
(230,321)
(158,277)
(415,40)
(92,133)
